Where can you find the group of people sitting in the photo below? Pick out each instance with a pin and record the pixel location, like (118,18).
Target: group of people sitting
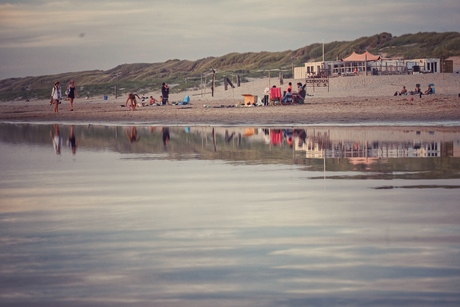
(289,97)
(132,104)
(416,91)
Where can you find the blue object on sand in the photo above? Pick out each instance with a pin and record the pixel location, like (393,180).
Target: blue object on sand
(185,101)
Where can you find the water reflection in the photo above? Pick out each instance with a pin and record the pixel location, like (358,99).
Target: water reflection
(387,151)
(239,216)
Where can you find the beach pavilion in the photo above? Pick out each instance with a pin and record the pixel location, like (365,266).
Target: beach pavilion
(362,64)
(358,63)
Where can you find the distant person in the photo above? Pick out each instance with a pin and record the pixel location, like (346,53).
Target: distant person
(402,92)
(131,102)
(428,91)
(165,93)
(287,97)
(56,96)
(301,93)
(57,139)
(152,100)
(417,90)
(289,87)
(72,91)
(72,140)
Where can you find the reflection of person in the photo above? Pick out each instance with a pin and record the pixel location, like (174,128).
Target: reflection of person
(165,93)
(72,91)
(131,133)
(57,139)
(228,137)
(56,96)
(302,135)
(131,101)
(72,140)
(166,136)
(288,135)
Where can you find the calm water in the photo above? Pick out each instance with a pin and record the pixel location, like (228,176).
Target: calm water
(203,216)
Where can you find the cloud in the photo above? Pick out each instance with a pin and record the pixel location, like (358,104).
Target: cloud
(119,32)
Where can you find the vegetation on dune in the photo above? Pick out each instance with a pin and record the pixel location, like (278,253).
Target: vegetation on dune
(184,74)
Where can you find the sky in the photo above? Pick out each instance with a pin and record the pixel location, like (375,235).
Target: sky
(41,37)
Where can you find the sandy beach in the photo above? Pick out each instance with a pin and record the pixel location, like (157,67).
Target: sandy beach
(361,100)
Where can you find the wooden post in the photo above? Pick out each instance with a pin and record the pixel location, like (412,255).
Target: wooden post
(213,81)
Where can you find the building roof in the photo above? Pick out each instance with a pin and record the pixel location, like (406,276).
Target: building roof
(366,56)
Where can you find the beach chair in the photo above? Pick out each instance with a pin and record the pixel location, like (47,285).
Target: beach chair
(275,94)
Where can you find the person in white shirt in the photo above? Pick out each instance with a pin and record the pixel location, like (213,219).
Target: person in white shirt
(56,96)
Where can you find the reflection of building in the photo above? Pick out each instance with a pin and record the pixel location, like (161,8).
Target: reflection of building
(337,144)
(354,143)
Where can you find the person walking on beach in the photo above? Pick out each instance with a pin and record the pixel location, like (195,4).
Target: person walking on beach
(72,91)
(56,96)
(164,93)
